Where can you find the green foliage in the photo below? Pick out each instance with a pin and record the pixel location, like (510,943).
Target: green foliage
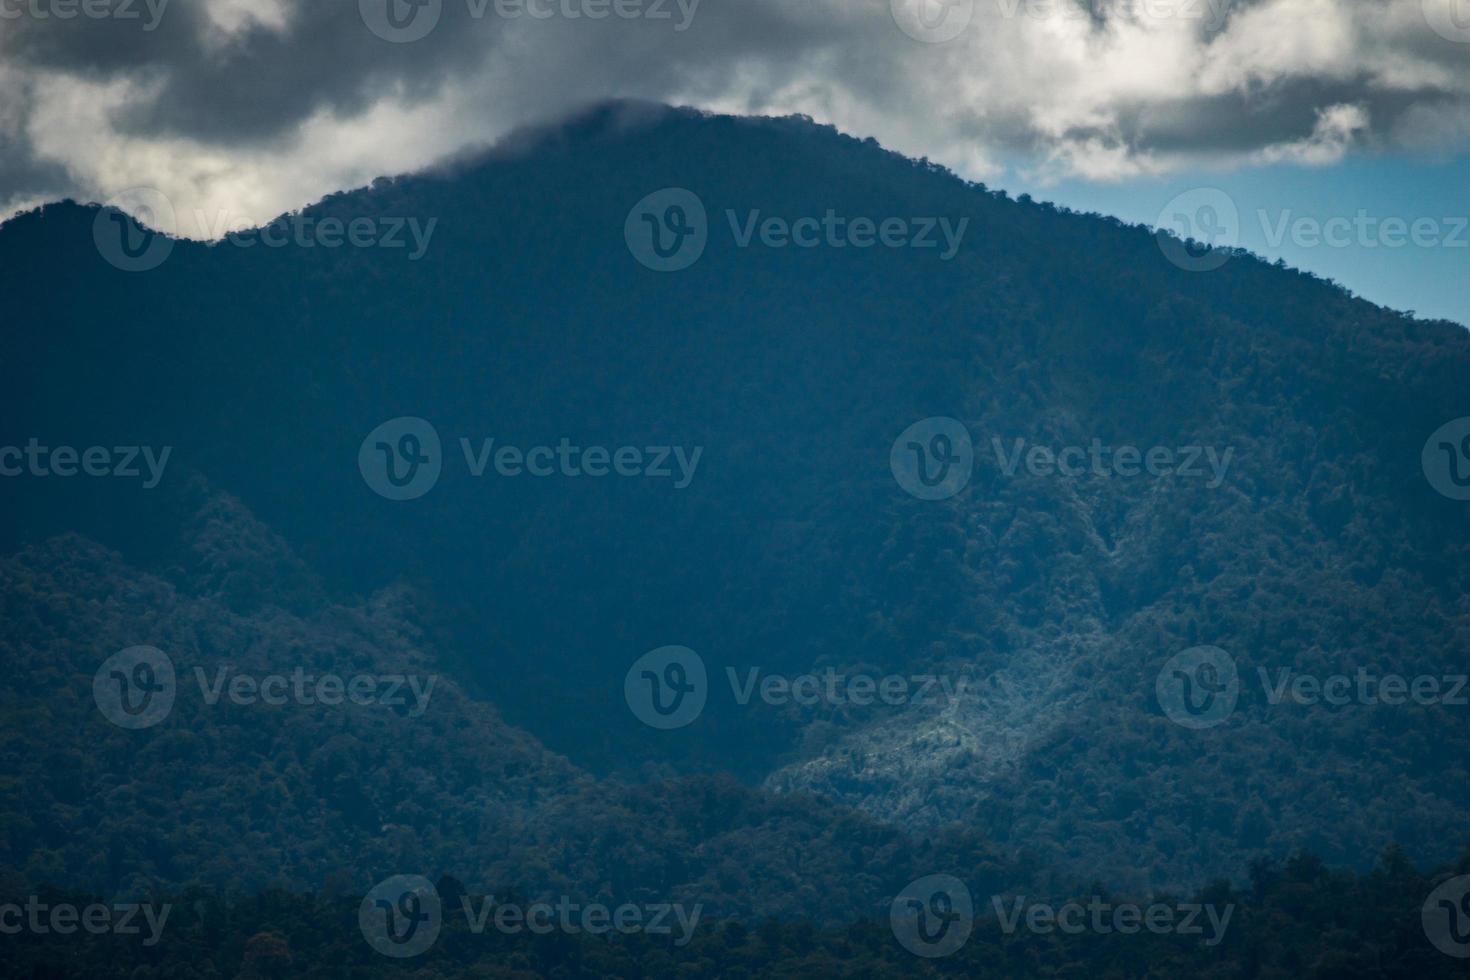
(1298,920)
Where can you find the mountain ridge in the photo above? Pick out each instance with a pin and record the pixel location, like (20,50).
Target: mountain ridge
(529,320)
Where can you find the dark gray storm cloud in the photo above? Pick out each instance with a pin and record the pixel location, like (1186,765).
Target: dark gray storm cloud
(254,106)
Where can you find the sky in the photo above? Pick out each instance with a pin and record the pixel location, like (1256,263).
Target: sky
(1337,221)
(1323,126)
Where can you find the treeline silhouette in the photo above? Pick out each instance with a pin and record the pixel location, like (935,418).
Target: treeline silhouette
(1295,920)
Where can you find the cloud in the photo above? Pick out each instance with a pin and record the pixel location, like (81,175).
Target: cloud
(241,110)
(1337,127)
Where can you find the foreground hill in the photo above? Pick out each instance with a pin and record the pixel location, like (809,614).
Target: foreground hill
(239,784)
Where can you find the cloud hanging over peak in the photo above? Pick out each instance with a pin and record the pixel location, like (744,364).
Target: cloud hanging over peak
(243,110)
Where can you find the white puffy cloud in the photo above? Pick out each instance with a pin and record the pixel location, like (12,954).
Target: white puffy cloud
(1337,127)
(242,110)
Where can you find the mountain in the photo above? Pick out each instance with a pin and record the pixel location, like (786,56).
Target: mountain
(240,785)
(1306,539)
